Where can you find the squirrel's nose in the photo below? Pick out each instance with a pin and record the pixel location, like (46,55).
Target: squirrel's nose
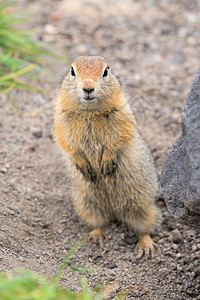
(88,89)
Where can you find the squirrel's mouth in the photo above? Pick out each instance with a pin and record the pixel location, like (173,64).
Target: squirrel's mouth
(89,98)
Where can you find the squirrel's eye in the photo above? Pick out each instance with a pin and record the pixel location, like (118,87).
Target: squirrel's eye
(72,72)
(105,73)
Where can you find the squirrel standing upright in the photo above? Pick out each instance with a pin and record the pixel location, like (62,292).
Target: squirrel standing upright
(111,166)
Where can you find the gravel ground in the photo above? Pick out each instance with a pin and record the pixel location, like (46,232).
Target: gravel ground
(153,48)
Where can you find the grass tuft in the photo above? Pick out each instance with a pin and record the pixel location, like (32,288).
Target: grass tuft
(24,284)
(20,53)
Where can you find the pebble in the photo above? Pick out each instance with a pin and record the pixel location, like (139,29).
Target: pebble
(111,265)
(22,259)
(178,255)
(49,38)
(55,16)
(194,248)
(36,132)
(196,263)
(190,232)
(3,170)
(161,241)
(97,256)
(166,214)
(191,267)
(129,240)
(137,77)
(179,268)
(176,236)
(185,281)
(82,50)
(191,41)
(50,29)
(175,246)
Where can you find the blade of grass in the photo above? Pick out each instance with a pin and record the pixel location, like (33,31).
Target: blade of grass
(66,260)
(18,73)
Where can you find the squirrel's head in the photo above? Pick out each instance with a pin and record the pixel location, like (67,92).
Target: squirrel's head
(90,82)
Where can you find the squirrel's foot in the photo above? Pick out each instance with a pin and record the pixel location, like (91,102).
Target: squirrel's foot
(108,167)
(97,236)
(88,172)
(145,246)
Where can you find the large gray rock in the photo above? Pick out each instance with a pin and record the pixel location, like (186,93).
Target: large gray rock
(180,177)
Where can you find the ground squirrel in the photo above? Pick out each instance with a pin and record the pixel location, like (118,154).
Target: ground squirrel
(111,166)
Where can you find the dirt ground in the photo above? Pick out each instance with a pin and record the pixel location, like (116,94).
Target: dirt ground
(153,48)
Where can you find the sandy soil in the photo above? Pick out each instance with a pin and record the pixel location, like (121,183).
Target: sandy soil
(153,48)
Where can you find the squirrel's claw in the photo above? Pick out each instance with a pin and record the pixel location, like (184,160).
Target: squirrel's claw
(88,172)
(108,167)
(145,246)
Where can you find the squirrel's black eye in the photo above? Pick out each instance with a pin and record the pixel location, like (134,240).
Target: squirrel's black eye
(72,72)
(105,73)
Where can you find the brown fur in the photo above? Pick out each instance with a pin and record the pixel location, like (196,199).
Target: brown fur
(111,165)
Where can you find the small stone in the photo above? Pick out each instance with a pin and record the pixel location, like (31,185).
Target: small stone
(196,263)
(185,281)
(197,271)
(22,259)
(191,267)
(175,246)
(56,16)
(49,38)
(122,235)
(194,248)
(50,29)
(130,234)
(161,202)
(137,77)
(3,170)
(176,236)
(129,240)
(192,274)
(191,41)
(111,265)
(161,241)
(37,132)
(97,256)
(178,255)
(179,268)
(166,214)
(32,148)
(82,50)
(190,232)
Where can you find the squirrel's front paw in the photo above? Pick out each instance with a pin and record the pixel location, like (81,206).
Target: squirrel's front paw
(108,167)
(88,172)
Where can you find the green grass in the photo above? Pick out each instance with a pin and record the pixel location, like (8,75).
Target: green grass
(21,55)
(29,285)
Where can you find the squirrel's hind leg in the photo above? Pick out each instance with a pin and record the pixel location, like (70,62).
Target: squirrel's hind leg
(145,246)
(143,224)
(97,236)
(95,218)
